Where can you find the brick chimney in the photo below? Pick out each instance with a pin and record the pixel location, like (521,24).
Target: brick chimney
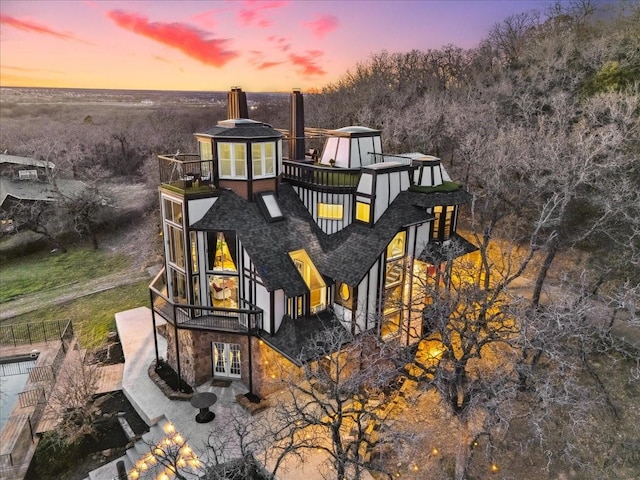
(237,104)
(296,128)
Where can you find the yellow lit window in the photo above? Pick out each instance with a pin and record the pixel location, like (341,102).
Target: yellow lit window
(396,247)
(330,211)
(363,212)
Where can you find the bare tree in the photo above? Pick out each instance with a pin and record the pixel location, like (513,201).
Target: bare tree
(72,400)
(336,404)
(39,216)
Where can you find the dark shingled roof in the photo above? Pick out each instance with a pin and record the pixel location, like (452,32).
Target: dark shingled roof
(294,336)
(345,256)
(243,129)
(435,252)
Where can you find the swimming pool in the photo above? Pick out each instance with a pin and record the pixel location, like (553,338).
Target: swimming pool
(13,377)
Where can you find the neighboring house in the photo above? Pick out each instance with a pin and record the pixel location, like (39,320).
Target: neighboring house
(24,179)
(263,252)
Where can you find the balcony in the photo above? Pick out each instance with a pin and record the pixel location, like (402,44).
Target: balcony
(321,178)
(186,173)
(197,317)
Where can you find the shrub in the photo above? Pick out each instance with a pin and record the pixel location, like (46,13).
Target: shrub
(54,454)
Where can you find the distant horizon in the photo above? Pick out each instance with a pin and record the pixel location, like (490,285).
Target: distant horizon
(150,89)
(268,46)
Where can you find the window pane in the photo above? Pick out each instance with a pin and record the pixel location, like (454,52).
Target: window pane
(269,158)
(225,168)
(223,291)
(205,150)
(221,251)
(224,159)
(256,155)
(176,246)
(178,286)
(396,247)
(194,251)
(330,211)
(363,212)
(240,156)
(168,211)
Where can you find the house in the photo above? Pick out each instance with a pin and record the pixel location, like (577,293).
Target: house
(26,180)
(262,251)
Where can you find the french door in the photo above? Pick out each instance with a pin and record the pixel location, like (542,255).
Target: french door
(226,360)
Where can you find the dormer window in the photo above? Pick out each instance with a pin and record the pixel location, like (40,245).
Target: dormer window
(232,160)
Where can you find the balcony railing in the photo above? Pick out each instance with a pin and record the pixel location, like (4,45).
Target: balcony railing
(321,178)
(186,172)
(199,317)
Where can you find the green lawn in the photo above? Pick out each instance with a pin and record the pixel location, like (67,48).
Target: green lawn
(43,271)
(93,315)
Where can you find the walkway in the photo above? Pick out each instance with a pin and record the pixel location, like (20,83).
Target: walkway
(136,335)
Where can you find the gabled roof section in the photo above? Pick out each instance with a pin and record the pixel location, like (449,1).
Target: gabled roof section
(25,161)
(345,256)
(33,190)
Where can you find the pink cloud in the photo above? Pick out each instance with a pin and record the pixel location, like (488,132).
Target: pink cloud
(256,59)
(207,19)
(29,26)
(189,40)
(282,43)
(252,12)
(322,25)
(307,65)
(267,65)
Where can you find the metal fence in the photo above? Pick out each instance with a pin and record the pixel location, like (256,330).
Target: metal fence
(19,367)
(30,333)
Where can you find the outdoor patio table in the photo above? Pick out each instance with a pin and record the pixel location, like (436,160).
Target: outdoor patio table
(203,400)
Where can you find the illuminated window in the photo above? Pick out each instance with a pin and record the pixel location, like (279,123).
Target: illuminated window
(232,160)
(226,359)
(194,251)
(396,247)
(344,295)
(441,229)
(330,211)
(363,212)
(312,278)
(221,251)
(205,150)
(263,158)
(206,155)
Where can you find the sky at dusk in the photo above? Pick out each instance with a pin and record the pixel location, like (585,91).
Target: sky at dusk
(260,45)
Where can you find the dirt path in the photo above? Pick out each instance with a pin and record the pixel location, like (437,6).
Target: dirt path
(68,292)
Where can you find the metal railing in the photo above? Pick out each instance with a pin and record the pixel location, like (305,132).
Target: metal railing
(321,178)
(30,333)
(186,172)
(199,317)
(44,373)
(19,366)
(32,397)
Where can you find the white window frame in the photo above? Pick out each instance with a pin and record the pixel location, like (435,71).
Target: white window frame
(234,159)
(226,359)
(262,173)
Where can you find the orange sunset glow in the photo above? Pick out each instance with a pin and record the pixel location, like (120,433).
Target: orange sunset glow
(266,45)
